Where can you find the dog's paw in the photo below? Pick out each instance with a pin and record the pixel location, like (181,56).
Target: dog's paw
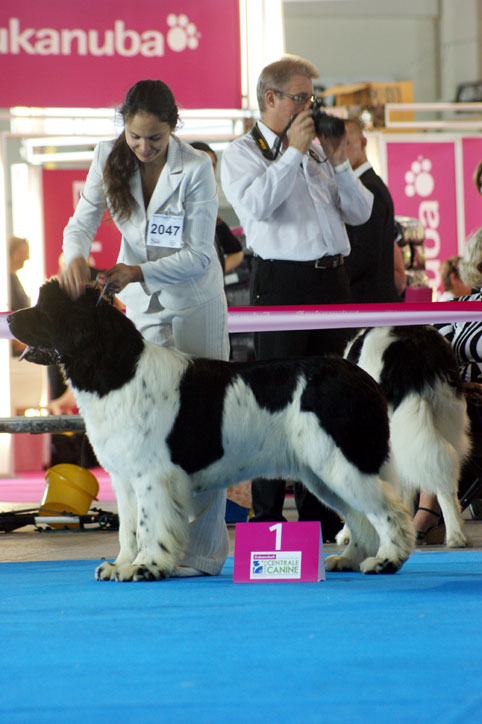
(340,563)
(378,565)
(140,572)
(457,540)
(105,572)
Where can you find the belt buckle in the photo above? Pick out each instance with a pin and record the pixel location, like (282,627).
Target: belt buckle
(320,265)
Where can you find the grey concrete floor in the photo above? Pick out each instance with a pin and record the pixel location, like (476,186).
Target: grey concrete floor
(28,544)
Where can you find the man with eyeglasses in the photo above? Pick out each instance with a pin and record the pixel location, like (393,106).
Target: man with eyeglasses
(293,198)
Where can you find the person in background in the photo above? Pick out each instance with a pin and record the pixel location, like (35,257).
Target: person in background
(452,283)
(19,253)
(399,269)
(293,198)
(230,251)
(478,177)
(162,196)
(466,341)
(370,264)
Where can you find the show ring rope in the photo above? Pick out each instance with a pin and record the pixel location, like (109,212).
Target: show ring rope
(331,316)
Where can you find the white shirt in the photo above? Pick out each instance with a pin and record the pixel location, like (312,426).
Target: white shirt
(292,208)
(362,168)
(446,297)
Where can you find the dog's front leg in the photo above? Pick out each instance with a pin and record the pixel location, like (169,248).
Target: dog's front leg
(127,510)
(163,505)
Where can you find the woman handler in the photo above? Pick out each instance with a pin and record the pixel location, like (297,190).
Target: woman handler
(161,194)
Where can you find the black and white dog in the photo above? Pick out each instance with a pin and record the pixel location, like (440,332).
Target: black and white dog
(429,425)
(166,425)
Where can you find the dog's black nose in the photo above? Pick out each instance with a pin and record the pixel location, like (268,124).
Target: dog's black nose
(9,318)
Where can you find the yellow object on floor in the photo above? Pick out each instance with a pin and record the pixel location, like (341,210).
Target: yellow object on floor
(69,488)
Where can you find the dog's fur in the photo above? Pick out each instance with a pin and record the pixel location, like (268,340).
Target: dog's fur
(165,425)
(429,425)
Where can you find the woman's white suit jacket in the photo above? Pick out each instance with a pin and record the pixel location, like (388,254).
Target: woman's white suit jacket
(173,278)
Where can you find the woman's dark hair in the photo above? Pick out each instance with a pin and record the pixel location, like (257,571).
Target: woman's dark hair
(201,146)
(146,96)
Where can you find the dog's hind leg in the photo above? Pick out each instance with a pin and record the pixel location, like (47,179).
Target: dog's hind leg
(395,532)
(450,506)
(127,510)
(453,425)
(362,540)
(438,443)
(374,498)
(163,506)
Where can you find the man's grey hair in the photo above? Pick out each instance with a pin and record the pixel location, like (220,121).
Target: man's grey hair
(469,265)
(277,75)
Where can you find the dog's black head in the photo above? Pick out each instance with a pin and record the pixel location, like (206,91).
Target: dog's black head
(95,343)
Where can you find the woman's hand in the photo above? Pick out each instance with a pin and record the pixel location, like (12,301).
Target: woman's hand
(75,278)
(119,276)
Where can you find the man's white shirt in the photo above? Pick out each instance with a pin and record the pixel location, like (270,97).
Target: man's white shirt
(295,207)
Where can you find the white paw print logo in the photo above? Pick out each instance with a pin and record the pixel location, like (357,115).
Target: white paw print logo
(419,180)
(181,34)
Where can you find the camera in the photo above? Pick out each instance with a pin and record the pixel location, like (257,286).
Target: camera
(324,123)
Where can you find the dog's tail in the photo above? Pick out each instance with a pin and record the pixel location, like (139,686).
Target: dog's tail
(429,440)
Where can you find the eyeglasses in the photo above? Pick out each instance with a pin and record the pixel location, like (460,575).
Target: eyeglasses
(300,99)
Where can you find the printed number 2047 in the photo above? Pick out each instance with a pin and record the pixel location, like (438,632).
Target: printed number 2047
(160,229)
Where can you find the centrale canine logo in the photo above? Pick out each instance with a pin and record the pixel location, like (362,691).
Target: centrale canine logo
(180,35)
(258,567)
(418,179)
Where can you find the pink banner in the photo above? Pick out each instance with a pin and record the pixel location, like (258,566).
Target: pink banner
(472,156)
(421,178)
(87,54)
(61,191)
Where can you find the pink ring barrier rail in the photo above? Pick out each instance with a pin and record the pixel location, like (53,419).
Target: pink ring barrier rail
(331,316)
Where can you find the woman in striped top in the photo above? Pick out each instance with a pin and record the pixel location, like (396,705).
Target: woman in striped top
(466,341)
(466,337)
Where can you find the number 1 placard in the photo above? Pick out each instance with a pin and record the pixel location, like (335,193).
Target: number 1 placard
(278,552)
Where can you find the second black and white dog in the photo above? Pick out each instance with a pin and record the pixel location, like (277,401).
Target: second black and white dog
(429,425)
(166,425)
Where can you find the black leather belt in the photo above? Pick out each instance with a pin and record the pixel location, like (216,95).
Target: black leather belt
(325,262)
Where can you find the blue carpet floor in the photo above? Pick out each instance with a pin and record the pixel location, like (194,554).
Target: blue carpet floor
(402,648)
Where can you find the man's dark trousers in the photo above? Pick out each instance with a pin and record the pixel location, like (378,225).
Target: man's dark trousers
(285,283)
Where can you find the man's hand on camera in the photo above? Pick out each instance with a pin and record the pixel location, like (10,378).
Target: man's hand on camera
(334,148)
(302,131)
